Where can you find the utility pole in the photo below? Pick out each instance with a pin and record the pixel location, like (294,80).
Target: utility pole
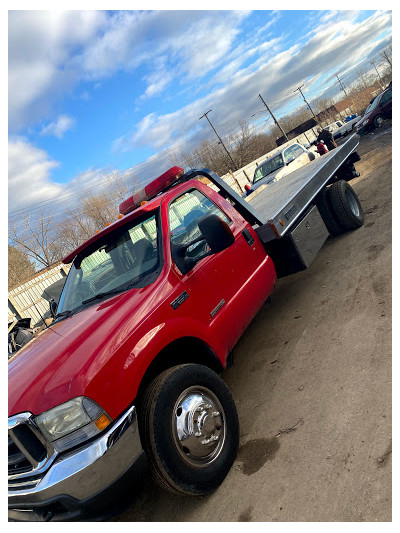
(380,79)
(272,115)
(341,85)
(344,90)
(387,59)
(309,107)
(220,140)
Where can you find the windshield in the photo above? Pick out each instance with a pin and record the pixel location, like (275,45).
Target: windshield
(372,106)
(123,259)
(269,166)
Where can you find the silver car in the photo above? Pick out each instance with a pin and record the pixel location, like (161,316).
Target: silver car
(281,163)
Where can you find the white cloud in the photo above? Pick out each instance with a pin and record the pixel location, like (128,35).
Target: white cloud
(58,127)
(61,48)
(331,45)
(29,170)
(30,184)
(42,59)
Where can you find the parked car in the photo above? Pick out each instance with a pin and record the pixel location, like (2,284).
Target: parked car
(277,165)
(379,109)
(348,126)
(334,126)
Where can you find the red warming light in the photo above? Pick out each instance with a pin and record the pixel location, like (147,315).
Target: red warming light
(151,190)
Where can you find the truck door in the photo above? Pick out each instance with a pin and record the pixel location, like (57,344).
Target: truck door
(232,301)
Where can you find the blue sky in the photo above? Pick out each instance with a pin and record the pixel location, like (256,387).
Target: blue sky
(91,92)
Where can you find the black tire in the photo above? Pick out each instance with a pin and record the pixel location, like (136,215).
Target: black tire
(346,206)
(325,209)
(377,122)
(22,337)
(189,429)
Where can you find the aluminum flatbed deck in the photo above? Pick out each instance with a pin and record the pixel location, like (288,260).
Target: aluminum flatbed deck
(274,209)
(280,204)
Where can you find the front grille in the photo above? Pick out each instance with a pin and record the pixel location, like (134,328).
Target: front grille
(29,454)
(17,462)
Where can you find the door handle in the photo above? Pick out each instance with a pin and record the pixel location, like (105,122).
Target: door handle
(247,235)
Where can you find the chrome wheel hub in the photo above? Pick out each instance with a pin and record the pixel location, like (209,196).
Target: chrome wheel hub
(198,424)
(352,203)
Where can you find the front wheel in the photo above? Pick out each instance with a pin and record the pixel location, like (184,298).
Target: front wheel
(189,429)
(378,121)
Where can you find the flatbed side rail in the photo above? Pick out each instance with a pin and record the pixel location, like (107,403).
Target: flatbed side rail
(281,204)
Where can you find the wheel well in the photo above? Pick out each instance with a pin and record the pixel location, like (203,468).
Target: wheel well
(181,351)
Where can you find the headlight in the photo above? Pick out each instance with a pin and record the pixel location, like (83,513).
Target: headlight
(365,122)
(72,422)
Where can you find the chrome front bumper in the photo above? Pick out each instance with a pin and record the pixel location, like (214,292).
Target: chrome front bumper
(80,475)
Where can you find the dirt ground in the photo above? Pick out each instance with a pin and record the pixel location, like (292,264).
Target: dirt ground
(312,384)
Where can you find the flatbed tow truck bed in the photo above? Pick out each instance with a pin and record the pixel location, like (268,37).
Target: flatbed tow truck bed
(289,197)
(284,214)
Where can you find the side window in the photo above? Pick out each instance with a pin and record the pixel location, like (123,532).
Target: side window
(386,97)
(288,155)
(297,150)
(184,214)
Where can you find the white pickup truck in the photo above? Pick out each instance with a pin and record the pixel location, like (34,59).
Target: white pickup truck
(340,128)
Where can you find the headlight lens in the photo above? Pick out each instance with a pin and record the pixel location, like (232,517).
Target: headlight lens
(72,422)
(365,122)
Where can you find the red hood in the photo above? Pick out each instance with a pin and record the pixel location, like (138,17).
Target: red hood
(62,360)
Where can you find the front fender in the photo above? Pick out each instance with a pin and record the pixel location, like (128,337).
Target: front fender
(115,385)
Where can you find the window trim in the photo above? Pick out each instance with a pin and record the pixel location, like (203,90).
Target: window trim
(186,192)
(193,188)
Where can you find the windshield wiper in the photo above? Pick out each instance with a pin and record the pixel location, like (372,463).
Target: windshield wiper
(102,295)
(113,291)
(64,314)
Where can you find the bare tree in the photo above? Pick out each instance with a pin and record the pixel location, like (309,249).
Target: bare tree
(35,237)
(363,78)
(20,268)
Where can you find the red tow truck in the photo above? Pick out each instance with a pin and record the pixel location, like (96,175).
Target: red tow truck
(148,318)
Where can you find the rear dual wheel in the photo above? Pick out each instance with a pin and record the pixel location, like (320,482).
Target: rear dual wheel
(189,429)
(340,208)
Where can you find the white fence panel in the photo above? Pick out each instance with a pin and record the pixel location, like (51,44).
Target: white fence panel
(26,300)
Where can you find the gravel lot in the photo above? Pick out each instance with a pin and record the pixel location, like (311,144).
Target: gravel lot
(312,384)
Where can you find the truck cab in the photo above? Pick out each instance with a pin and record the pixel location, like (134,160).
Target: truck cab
(166,290)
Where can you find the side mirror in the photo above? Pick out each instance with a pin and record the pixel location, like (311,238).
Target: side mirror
(214,231)
(53,307)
